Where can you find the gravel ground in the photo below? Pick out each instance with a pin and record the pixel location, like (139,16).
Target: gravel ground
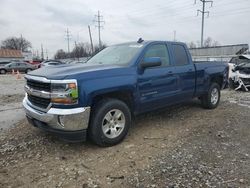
(11,80)
(181,146)
(11,95)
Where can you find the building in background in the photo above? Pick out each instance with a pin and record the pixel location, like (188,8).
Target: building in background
(7,55)
(28,56)
(218,53)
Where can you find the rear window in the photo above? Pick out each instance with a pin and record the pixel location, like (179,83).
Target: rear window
(180,55)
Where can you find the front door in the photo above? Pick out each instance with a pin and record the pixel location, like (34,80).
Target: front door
(157,85)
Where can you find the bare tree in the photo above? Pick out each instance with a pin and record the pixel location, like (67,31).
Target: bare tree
(192,45)
(208,42)
(215,43)
(80,50)
(15,43)
(60,54)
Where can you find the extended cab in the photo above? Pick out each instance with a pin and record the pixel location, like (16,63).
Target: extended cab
(99,98)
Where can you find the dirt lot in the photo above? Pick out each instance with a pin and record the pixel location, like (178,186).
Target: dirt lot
(182,146)
(11,95)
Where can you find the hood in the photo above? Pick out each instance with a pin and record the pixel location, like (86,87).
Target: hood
(59,72)
(243,68)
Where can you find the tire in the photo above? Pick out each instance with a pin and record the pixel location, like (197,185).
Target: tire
(28,70)
(106,129)
(3,71)
(212,98)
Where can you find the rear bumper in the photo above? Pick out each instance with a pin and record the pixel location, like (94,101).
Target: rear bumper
(69,124)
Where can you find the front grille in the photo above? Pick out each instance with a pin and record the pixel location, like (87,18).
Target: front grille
(41,86)
(39,102)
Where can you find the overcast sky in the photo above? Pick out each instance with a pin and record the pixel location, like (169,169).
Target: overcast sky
(45,21)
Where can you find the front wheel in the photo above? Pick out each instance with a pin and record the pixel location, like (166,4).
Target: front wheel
(110,122)
(212,98)
(2,71)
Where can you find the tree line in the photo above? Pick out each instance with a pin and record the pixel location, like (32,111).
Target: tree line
(80,50)
(208,42)
(16,43)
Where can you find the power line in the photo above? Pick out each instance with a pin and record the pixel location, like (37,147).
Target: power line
(99,21)
(42,53)
(203,12)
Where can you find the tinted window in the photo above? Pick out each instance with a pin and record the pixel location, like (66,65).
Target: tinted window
(180,55)
(158,50)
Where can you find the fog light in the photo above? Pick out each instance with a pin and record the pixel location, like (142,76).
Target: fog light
(61,121)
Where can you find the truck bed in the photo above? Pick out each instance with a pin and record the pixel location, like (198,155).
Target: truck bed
(206,70)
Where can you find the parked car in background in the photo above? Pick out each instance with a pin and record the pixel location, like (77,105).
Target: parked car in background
(36,63)
(77,62)
(17,66)
(2,63)
(50,63)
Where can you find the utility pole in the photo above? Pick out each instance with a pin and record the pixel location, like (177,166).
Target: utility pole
(37,54)
(91,42)
(42,55)
(76,51)
(68,38)
(21,43)
(99,26)
(47,57)
(174,35)
(203,12)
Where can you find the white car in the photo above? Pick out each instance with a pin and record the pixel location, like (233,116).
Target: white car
(239,72)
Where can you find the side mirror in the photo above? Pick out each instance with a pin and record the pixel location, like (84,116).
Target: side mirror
(150,62)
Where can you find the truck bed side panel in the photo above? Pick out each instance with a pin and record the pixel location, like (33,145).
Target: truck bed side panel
(205,72)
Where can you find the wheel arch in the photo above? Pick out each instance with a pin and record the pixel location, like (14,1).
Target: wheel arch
(217,79)
(125,96)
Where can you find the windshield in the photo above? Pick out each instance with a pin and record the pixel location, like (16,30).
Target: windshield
(118,55)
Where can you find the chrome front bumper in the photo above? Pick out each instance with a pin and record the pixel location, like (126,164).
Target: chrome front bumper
(62,119)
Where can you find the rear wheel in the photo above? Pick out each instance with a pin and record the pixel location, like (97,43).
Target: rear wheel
(2,71)
(212,98)
(110,122)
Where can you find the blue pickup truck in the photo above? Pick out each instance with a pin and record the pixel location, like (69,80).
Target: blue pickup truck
(99,98)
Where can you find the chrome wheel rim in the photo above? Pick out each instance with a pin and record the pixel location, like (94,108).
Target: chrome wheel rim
(214,96)
(113,123)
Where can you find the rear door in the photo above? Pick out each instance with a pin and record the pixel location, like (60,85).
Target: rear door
(22,67)
(157,85)
(185,72)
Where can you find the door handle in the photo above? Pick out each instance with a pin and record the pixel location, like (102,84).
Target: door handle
(169,73)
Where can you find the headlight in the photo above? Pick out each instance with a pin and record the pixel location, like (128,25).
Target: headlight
(64,93)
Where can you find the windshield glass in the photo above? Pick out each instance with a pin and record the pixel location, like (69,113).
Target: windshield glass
(118,55)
